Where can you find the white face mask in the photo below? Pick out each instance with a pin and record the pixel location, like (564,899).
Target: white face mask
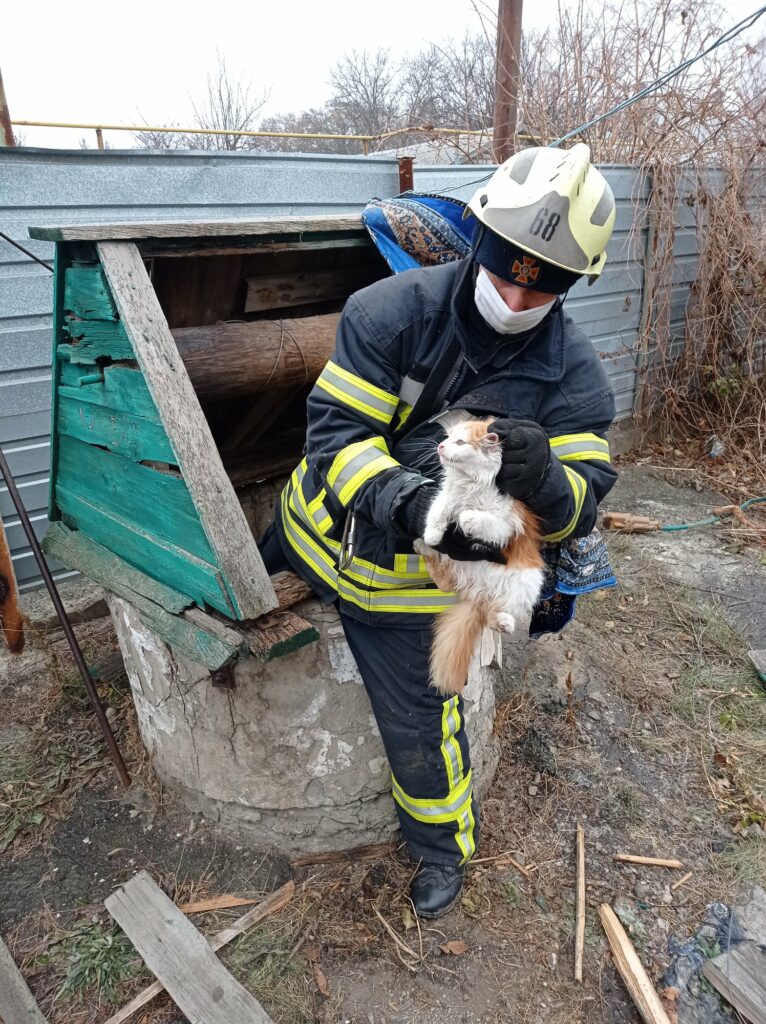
(496,313)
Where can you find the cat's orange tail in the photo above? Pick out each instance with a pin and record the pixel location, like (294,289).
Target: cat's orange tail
(456,634)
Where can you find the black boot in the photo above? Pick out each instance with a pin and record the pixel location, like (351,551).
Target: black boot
(436,889)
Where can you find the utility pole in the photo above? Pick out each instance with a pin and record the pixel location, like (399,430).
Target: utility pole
(6,132)
(507,63)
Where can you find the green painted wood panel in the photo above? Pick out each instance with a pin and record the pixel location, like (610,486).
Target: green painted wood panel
(137,438)
(92,339)
(76,551)
(151,555)
(86,293)
(156,502)
(124,389)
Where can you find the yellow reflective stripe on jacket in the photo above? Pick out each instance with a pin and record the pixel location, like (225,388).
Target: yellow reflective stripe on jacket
(402,415)
(355,464)
(314,514)
(580,447)
(579,487)
(357,393)
(439,810)
(305,546)
(323,562)
(424,601)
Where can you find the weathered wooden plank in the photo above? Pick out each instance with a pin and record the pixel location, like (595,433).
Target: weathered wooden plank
(194,643)
(210,625)
(277,634)
(157,558)
(137,438)
(123,389)
(200,229)
(740,977)
(11,619)
(249,247)
(155,502)
(277,291)
(270,905)
(86,293)
(17,1005)
(94,338)
(211,491)
(290,589)
(76,551)
(231,359)
(180,957)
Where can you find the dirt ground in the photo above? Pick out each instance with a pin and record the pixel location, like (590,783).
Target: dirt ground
(643,720)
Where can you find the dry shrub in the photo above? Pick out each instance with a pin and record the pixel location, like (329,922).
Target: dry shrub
(712,384)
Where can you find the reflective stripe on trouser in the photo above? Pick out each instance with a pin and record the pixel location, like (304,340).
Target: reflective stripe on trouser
(425,741)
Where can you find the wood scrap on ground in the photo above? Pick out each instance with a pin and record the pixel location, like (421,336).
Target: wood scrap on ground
(17,1004)
(681,881)
(626,522)
(580,918)
(632,971)
(277,901)
(652,862)
(739,976)
(374,851)
(11,619)
(225,902)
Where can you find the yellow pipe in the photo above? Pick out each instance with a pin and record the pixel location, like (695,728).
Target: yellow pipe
(249,134)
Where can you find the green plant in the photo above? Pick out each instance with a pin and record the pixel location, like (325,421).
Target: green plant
(511,894)
(99,958)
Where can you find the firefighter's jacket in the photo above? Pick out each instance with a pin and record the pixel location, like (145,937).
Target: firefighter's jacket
(353,477)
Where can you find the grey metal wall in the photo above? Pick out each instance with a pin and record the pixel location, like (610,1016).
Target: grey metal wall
(63,187)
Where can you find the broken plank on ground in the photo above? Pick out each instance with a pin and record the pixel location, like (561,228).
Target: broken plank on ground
(264,909)
(739,976)
(17,1004)
(180,957)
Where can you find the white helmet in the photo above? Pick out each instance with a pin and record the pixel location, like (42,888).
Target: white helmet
(553,204)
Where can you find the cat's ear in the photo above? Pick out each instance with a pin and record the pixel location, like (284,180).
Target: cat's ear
(492,438)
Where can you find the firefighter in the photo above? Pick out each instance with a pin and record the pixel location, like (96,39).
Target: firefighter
(486,335)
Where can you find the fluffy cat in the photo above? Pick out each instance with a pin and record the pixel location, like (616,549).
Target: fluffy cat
(490,594)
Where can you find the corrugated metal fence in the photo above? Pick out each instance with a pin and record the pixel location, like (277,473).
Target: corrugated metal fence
(62,187)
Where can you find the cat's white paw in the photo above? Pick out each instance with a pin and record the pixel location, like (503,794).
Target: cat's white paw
(484,526)
(433,535)
(505,622)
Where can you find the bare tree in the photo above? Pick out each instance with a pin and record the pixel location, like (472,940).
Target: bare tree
(228,105)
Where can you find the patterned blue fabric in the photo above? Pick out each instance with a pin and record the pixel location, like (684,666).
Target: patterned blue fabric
(573,567)
(413,230)
(421,230)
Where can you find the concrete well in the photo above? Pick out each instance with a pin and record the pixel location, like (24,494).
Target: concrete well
(291,756)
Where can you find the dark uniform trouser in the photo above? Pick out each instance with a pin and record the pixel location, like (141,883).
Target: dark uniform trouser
(423,734)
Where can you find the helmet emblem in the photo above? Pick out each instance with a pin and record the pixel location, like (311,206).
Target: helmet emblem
(527,271)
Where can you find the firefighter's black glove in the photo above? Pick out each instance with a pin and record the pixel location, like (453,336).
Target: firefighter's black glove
(462,548)
(526,457)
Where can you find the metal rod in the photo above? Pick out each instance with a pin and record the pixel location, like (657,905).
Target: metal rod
(99,138)
(6,132)
(66,625)
(26,251)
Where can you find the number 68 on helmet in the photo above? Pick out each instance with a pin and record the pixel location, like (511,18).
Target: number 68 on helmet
(553,204)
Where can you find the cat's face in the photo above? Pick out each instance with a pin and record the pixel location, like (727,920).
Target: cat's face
(472,448)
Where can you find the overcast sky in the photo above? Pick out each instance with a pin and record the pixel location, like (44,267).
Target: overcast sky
(140,61)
